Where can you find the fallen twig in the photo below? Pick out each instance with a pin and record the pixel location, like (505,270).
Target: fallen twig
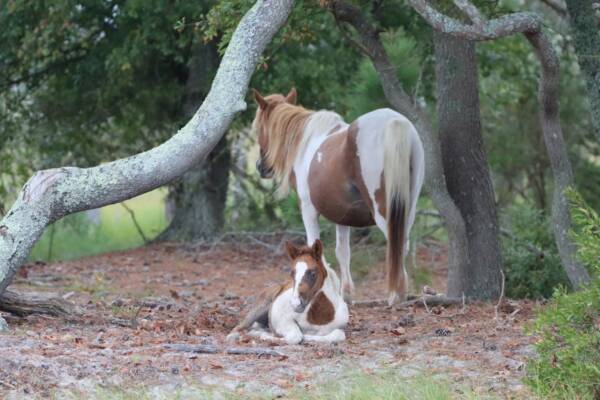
(413,300)
(193,348)
(259,351)
(210,349)
(501,296)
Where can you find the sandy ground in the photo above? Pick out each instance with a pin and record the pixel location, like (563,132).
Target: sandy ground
(136,303)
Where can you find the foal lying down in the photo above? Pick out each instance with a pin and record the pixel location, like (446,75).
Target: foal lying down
(308,307)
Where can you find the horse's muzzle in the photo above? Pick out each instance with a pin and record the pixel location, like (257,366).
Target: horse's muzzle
(264,172)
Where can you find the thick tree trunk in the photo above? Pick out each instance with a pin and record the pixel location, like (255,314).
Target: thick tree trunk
(466,168)
(51,194)
(531,26)
(586,38)
(198,199)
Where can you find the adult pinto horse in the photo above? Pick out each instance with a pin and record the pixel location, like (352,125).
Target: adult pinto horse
(359,174)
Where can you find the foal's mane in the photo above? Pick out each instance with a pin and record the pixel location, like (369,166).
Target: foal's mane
(288,128)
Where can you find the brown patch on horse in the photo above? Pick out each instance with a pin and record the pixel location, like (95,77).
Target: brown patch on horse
(321,310)
(336,192)
(380,196)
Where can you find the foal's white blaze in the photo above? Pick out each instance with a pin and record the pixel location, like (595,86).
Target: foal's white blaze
(301,268)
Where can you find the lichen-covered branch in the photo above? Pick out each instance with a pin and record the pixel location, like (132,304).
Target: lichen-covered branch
(496,28)
(52,194)
(530,25)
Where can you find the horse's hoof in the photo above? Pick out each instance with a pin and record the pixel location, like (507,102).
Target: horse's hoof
(396,298)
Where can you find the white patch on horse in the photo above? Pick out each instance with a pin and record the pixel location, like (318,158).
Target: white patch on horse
(319,156)
(315,133)
(301,268)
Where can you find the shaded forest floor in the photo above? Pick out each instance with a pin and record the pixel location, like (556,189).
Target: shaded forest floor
(135,303)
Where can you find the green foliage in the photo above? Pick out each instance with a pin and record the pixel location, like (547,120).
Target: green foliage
(77,236)
(569,350)
(587,179)
(532,264)
(510,115)
(366,93)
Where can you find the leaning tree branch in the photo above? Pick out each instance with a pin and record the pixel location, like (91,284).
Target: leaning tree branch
(52,194)
(530,25)
(435,182)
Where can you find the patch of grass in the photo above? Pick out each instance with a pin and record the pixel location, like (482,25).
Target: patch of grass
(78,235)
(386,385)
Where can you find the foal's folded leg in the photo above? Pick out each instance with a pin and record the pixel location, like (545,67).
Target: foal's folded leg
(264,335)
(337,335)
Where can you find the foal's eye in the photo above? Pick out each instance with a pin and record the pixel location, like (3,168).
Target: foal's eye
(311,277)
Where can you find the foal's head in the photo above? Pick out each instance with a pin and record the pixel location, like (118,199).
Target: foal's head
(308,273)
(278,124)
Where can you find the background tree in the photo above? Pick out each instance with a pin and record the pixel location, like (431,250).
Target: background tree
(465,164)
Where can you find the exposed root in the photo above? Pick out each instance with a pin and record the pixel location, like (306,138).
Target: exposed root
(23,304)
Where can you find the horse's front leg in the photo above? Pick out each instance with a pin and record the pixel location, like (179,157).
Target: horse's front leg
(342,252)
(310,218)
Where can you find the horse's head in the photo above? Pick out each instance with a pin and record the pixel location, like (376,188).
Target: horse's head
(266,106)
(308,273)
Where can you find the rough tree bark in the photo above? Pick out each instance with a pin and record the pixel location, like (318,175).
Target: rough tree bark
(51,194)
(531,26)
(466,168)
(198,199)
(586,39)
(435,182)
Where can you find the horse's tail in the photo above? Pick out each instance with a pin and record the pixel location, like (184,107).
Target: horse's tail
(397,171)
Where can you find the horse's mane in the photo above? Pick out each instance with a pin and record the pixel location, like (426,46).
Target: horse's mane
(289,128)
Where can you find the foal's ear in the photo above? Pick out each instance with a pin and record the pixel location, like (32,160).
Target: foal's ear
(317,249)
(291,250)
(260,100)
(292,96)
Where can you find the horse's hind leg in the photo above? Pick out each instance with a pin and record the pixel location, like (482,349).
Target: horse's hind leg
(342,252)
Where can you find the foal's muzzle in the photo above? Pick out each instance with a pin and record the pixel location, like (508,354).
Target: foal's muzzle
(301,307)
(265,172)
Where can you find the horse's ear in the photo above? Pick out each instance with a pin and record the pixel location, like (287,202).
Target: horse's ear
(317,249)
(260,100)
(292,96)
(291,250)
